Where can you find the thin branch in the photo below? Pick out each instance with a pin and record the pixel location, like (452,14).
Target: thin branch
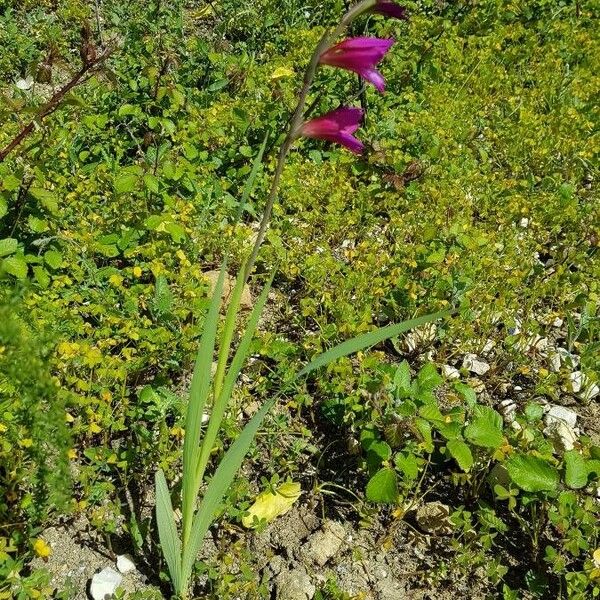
(84,73)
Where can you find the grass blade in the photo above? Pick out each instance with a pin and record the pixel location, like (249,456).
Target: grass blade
(249,185)
(233,458)
(199,391)
(167,531)
(368,339)
(235,367)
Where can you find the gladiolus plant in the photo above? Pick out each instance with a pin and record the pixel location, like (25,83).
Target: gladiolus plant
(214,392)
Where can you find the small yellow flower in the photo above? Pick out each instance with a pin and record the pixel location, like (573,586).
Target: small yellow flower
(95,428)
(3,428)
(137,271)
(115,280)
(26,443)
(72,454)
(42,548)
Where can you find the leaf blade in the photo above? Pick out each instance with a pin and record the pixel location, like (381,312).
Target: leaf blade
(167,530)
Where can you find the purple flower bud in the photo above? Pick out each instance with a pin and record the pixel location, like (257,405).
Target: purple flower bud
(336,126)
(390,9)
(360,55)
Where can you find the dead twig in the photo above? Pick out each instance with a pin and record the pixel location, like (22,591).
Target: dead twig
(91,65)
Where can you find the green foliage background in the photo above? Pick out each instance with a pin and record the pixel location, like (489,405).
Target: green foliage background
(111,212)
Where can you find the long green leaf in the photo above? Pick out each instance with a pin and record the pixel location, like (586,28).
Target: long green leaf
(199,391)
(236,295)
(235,367)
(249,186)
(228,331)
(233,458)
(167,531)
(368,339)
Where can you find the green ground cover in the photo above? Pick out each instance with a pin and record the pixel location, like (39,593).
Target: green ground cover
(478,190)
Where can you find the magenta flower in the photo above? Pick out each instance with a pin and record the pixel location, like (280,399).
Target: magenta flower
(390,9)
(336,126)
(359,54)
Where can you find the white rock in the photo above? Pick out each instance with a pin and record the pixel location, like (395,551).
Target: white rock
(508,409)
(450,372)
(557,322)
(105,583)
(420,337)
(568,358)
(325,544)
(577,379)
(294,585)
(474,364)
(590,391)
(125,564)
(489,346)
(560,414)
(524,222)
(563,436)
(554,361)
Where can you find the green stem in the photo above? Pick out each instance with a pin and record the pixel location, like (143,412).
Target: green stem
(328,38)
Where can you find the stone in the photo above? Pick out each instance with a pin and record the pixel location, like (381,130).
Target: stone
(562,436)
(433,517)
(488,347)
(476,365)
(590,392)
(421,336)
(560,413)
(568,357)
(294,585)
(105,583)
(450,372)
(228,285)
(577,379)
(125,564)
(390,589)
(251,409)
(508,409)
(554,361)
(524,222)
(325,543)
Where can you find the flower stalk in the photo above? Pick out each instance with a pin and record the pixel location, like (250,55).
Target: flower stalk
(296,122)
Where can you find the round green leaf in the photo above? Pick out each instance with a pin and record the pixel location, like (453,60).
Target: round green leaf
(383,487)
(532,474)
(576,470)
(16,266)
(461,453)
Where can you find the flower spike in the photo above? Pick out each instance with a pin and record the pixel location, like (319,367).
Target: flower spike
(361,55)
(336,126)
